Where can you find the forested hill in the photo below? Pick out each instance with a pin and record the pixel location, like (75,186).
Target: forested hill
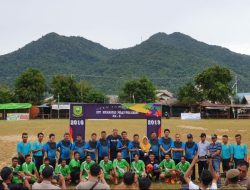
(169,60)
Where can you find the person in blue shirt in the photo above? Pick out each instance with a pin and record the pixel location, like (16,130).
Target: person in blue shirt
(239,150)
(122,146)
(64,147)
(78,146)
(37,150)
(113,140)
(178,148)
(155,146)
(226,154)
(134,146)
(50,150)
(103,146)
(91,147)
(165,144)
(191,149)
(23,148)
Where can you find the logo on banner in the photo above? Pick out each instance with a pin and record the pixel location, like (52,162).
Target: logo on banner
(77,111)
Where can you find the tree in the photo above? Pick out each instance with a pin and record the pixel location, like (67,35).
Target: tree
(95,96)
(30,86)
(214,83)
(6,95)
(189,94)
(83,89)
(65,87)
(139,91)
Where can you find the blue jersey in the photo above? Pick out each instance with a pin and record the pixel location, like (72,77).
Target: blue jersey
(50,149)
(226,151)
(134,145)
(190,150)
(239,151)
(178,155)
(79,147)
(64,147)
(124,151)
(166,144)
(103,147)
(155,146)
(37,146)
(91,145)
(25,149)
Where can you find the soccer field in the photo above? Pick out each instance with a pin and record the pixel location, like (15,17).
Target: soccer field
(11,132)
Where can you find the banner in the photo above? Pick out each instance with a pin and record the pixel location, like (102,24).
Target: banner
(190,116)
(77,120)
(153,125)
(17,116)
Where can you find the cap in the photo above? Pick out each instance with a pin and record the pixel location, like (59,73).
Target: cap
(203,135)
(189,136)
(232,173)
(213,136)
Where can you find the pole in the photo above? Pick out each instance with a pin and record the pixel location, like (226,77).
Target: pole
(58,114)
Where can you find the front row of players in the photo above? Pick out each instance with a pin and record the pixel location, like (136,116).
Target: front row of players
(114,171)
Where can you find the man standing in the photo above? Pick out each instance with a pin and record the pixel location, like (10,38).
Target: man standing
(178,148)
(214,150)
(191,149)
(64,147)
(113,140)
(103,146)
(155,146)
(78,146)
(122,146)
(239,150)
(134,146)
(202,153)
(226,154)
(23,148)
(37,150)
(91,147)
(50,150)
(165,144)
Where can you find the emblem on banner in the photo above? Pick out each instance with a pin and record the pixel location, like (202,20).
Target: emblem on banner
(77,111)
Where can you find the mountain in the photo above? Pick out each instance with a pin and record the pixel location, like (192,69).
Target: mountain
(169,60)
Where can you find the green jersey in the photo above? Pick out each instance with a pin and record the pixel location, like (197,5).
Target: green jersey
(74,164)
(29,167)
(85,167)
(166,165)
(42,168)
(183,167)
(138,167)
(64,170)
(16,179)
(120,165)
(106,166)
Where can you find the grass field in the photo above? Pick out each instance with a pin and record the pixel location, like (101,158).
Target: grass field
(10,131)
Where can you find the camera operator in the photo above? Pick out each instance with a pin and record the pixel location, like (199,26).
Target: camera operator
(7,176)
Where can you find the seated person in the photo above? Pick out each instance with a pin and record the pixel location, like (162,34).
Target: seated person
(64,170)
(182,167)
(107,168)
(16,169)
(152,168)
(128,181)
(29,169)
(74,166)
(120,166)
(167,167)
(85,167)
(138,167)
(46,163)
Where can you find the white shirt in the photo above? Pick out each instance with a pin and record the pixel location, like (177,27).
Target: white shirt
(191,185)
(44,185)
(203,148)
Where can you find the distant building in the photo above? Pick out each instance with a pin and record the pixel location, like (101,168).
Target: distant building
(164,96)
(243,98)
(112,99)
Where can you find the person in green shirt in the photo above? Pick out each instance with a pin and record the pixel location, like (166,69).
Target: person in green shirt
(74,166)
(29,169)
(138,166)
(46,163)
(16,168)
(85,167)
(120,166)
(167,167)
(182,167)
(107,168)
(64,170)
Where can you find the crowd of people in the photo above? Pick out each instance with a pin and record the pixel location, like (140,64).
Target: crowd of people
(127,163)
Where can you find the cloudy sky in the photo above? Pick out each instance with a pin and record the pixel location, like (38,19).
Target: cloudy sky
(124,23)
